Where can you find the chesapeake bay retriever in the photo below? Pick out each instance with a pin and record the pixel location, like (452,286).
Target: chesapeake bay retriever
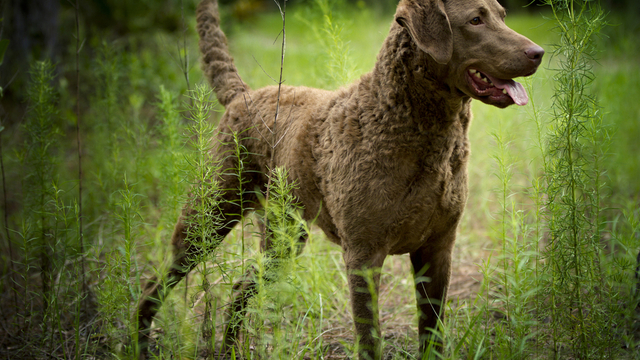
(381,164)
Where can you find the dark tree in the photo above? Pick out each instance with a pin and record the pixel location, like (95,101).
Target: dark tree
(32,28)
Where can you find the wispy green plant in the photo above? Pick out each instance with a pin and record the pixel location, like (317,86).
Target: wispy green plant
(67,286)
(536,194)
(113,299)
(284,221)
(172,164)
(240,155)
(516,281)
(120,287)
(183,50)
(241,171)
(27,263)
(173,169)
(274,268)
(340,68)
(40,163)
(103,133)
(205,217)
(484,303)
(574,174)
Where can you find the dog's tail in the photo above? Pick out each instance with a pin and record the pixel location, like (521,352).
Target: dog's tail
(217,63)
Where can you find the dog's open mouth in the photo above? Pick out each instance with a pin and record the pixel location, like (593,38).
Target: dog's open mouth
(498,91)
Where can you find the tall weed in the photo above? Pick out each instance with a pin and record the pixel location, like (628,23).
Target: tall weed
(574,178)
(275,269)
(206,217)
(329,32)
(40,160)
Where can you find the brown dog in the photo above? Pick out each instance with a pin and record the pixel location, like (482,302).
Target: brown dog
(383,161)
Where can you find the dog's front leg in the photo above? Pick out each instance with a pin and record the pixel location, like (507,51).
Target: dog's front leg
(432,271)
(363,272)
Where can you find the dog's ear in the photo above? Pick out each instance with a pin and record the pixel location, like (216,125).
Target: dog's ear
(429,27)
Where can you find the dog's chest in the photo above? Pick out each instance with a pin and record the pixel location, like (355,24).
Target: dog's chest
(434,197)
(396,189)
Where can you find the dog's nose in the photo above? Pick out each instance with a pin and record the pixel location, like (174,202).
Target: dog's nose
(535,54)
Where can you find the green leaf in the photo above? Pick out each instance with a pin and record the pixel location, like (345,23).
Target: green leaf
(4,44)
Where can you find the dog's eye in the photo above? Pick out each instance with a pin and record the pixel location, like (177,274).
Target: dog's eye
(475,21)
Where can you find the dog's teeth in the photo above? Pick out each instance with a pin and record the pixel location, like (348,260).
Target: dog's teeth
(504,91)
(478,75)
(473,71)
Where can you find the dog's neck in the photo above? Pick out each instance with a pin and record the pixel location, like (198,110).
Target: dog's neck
(410,82)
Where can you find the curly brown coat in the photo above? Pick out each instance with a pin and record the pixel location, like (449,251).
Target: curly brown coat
(382,163)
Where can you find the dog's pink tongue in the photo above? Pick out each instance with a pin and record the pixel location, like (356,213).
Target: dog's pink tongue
(514,89)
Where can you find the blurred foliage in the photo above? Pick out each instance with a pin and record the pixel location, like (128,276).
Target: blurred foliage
(124,17)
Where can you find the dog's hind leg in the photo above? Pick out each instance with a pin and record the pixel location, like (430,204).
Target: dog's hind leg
(246,288)
(185,255)
(156,289)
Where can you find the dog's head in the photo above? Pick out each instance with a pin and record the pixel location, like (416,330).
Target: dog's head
(482,55)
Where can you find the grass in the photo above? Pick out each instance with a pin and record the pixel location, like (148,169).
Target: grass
(136,177)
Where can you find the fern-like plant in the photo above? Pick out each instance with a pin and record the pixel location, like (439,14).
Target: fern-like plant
(40,162)
(576,286)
